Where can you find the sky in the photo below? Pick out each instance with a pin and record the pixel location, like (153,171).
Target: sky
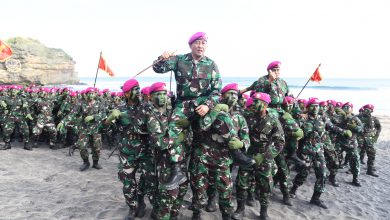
(350,38)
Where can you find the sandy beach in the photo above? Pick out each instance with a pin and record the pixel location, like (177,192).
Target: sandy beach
(46,184)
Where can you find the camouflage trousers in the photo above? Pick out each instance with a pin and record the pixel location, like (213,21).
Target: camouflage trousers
(127,168)
(96,145)
(371,152)
(169,202)
(283,173)
(147,185)
(201,173)
(332,160)
(353,159)
(245,183)
(10,125)
(264,180)
(49,126)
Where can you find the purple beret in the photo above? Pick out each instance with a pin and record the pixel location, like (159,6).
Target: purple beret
(275,64)
(323,103)
(349,104)
(197,36)
(249,103)
(313,101)
(73,94)
(91,89)
(288,100)
(331,101)
(119,94)
(106,90)
(262,96)
(231,86)
(245,96)
(158,86)
(369,106)
(129,84)
(145,90)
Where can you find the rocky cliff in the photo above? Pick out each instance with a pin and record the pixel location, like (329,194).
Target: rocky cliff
(33,62)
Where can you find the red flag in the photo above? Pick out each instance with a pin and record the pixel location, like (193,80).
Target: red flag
(5,51)
(316,77)
(103,66)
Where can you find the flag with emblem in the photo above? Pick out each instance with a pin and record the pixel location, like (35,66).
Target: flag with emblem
(5,51)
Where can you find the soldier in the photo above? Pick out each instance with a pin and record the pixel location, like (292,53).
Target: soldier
(312,150)
(272,84)
(267,141)
(16,118)
(130,120)
(350,144)
(198,85)
(369,136)
(145,92)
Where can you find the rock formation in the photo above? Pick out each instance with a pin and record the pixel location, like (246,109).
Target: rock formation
(34,63)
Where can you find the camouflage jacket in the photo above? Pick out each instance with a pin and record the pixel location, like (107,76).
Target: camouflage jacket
(371,130)
(17,108)
(351,142)
(157,127)
(277,90)
(240,126)
(199,81)
(94,109)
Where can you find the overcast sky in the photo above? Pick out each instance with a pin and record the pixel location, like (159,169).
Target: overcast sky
(350,38)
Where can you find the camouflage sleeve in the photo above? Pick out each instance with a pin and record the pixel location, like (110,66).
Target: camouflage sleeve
(278,136)
(101,115)
(165,66)
(378,128)
(329,126)
(158,135)
(359,128)
(224,127)
(243,133)
(216,85)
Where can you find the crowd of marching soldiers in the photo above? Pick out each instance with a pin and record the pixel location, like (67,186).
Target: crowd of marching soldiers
(241,130)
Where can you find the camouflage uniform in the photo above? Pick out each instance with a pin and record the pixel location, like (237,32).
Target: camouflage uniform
(212,157)
(197,83)
(368,138)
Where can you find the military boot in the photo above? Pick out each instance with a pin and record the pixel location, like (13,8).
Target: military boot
(286,199)
(27,146)
(196,215)
(356,181)
(264,213)
(6,146)
(131,214)
(332,180)
(315,199)
(226,216)
(241,159)
(96,164)
(240,211)
(296,160)
(85,165)
(177,177)
(250,200)
(293,191)
(140,211)
(212,203)
(371,172)
(362,159)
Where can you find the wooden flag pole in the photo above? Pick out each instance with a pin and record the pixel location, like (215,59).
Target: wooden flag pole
(151,66)
(97,70)
(306,83)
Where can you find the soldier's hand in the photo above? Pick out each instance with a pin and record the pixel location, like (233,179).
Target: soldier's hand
(24,105)
(339,111)
(221,107)
(182,123)
(59,113)
(181,137)
(347,133)
(287,116)
(60,126)
(3,104)
(298,134)
(115,113)
(88,118)
(166,55)
(259,158)
(28,116)
(235,143)
(202,110)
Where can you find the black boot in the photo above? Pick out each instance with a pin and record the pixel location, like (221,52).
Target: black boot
(211,203)
(356,182)
(226,216)
(250,200)
(371,172)
(131,214)
(293,191)
(177,177)
(85,165)
(315,199)
(6,146)
(140,211)
(240,211)
(27,146)
(296,160)
(332,180)
(196,215)
(263,213)
(362,159)
(96,164)
(241,159)
(286,199)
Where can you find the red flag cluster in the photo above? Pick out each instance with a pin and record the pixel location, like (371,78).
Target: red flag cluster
(5,51)
(316,77)
(103,66)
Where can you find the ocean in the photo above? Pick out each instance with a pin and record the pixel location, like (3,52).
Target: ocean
(357,91)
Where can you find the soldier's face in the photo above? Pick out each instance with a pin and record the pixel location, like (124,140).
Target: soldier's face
(91,95)
(330,107)
(367,112)
(260,106)
(242,102)
(159,98)
(275,72)
(314,109)
(323,108)
(230,97)
(287,107)
(133,94)
(198,48)
(301,105)
(15,92)
(347,109)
